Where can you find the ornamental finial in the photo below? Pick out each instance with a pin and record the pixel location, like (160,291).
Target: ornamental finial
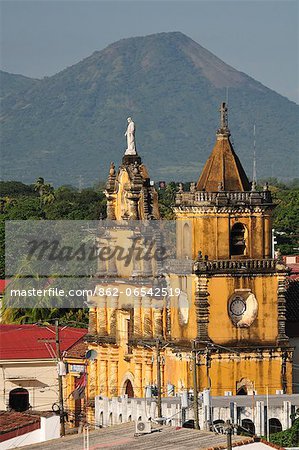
(223,120)
(223,116)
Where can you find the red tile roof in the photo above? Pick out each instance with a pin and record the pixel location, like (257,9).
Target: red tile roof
(3,284)
(35,342)
(294,270)
(14,424)
(78,350)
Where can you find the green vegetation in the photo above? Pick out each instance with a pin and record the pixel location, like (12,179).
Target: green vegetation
(290,437)
(167,200)
(41,201)
(285,217)
(72,123)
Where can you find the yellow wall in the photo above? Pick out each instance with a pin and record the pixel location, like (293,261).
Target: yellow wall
(264,328)
(221,329)
(211,233)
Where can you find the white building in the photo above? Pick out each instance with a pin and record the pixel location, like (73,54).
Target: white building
(28,375)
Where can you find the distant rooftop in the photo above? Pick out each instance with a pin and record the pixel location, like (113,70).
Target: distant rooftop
(35,342)
(122,437)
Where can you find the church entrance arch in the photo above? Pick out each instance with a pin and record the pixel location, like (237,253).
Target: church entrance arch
(127,384)
(129,390)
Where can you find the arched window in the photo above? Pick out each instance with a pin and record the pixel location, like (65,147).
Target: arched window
(238,239)
(110,419)
(244,386)
(120,418)
(274,426)
(187,247)
(130,418)
(248,425)
(19,399)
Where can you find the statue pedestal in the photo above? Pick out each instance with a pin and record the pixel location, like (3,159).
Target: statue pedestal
(130,152)
(130,159)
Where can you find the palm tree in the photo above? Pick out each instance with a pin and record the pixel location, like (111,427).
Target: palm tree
(48,194)
(39,185)
(6,202)
(45,190)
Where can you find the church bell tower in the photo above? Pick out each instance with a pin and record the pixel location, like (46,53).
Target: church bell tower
(239,289)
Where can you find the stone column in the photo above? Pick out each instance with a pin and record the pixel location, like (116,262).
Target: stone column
(111,207)
(102,265)
(147,317)
(92,326)
(286,420)
(137,317)
(138,378)
(267,238)
(113,304)
(158,322)
(281,304)
(147,269)
(113,379)
(103,365)
(102,316)
(202,307)
(136,269)
(148,373)
(112,269)
(260,418)
(92,380)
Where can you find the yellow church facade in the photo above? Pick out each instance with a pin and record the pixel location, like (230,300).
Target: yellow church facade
(230,311)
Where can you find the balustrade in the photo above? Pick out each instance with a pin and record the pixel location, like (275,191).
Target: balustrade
(230,198)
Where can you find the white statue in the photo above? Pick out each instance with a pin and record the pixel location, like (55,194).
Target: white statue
(130,133)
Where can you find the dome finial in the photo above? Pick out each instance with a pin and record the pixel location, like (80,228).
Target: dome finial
(223,130)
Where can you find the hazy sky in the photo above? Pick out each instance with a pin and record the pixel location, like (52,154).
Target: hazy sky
(260,38)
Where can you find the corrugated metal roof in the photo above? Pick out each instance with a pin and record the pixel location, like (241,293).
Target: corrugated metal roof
(35,342)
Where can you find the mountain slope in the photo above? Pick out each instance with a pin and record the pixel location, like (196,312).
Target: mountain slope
(72,123)
(12,84)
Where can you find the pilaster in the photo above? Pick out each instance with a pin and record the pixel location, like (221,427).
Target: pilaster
(137,317)
(138,379)
(281,306)
(113,378)
(113,305)
(102,382)
(102,316)
(202,307)
(147,317)
(92,325)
